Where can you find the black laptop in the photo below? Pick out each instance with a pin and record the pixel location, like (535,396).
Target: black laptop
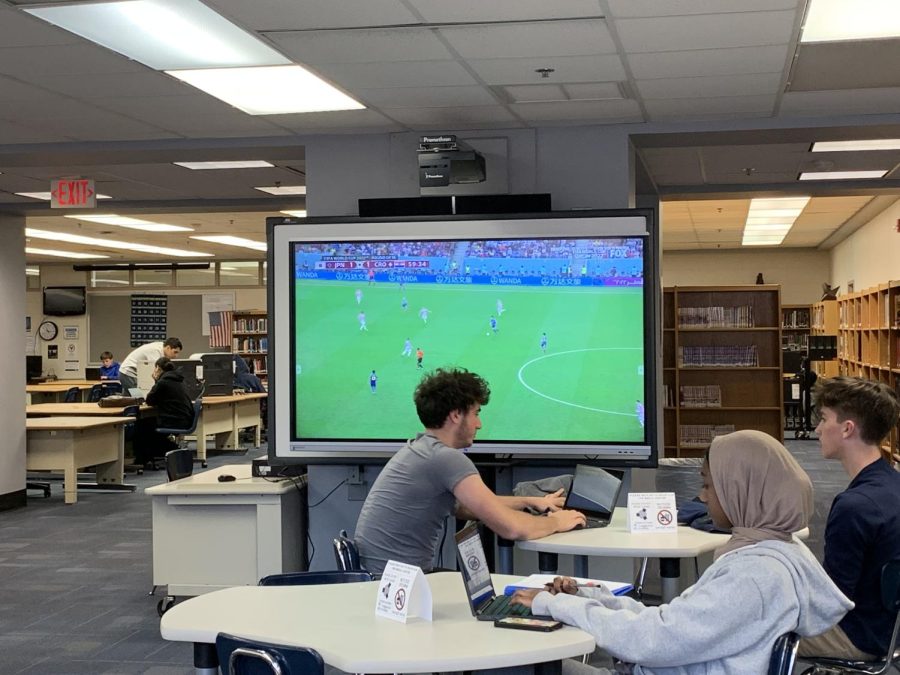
(484,603)
(595,492)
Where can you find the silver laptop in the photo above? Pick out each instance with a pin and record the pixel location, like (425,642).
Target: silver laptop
(136,392)
(485,604)
(595,492)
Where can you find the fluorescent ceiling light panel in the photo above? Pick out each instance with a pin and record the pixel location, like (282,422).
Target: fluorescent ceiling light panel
(236,164)
(228,240)
(163,34)
(131,223)
(298,213)
(834,20)
(769,220)
(46,195)
(32,272)
(857,146)
(109,243)
(275,90)
(61,254)
(841,175)
(279,190)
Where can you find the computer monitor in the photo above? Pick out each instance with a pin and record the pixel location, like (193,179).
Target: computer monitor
(34,365)
(192,372)
(218,372)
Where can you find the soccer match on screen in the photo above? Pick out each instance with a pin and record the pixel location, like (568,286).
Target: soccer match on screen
(556,327)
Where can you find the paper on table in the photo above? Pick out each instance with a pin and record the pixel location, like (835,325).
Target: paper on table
(540,580)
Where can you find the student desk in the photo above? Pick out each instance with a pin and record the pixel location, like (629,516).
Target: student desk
(339,622)
(48,392)
(209,535)
(67,443)
(76,410)
(224,416)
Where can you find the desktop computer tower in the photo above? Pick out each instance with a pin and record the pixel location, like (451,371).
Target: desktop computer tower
(217,372)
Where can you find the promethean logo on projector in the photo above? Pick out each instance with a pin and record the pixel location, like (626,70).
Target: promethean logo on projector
(437,139)
(436,176)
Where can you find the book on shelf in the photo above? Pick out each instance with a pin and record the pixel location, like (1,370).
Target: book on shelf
(541,580)
(701,435)
(701,396)
(716,317)
(725,356)
(250,325)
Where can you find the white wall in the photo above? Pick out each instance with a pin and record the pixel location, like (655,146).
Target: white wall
(12,337)
(800,272)
(871,255)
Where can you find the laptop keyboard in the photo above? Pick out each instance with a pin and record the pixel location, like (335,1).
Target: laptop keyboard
(501,606)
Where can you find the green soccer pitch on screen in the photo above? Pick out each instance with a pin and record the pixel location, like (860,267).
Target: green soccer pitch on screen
(557,325)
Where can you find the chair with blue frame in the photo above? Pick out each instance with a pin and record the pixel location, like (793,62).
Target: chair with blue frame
(73,394)
(316,578)
(890,599)
(346,554)
(239,656)
(784,653)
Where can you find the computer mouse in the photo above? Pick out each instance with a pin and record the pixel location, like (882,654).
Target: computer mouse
(226,478)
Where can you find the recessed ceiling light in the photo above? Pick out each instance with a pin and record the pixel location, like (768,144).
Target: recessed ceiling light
(835,20)
(269,90)
(770,219)
(163,34)
(857,146)
(61,254)
(298,213)
(32,272)
(237,164)
(131,223)
(110,243)
(841,175)
(228,240)
(283,189)
(46,195)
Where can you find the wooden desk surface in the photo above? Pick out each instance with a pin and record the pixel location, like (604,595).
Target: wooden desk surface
(235,398)
(56,387)
(76,409)
(58,423)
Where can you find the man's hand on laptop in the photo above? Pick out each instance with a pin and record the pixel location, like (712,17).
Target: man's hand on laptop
(567,519)
(549,502)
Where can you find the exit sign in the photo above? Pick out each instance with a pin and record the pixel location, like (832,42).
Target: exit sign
(72,193)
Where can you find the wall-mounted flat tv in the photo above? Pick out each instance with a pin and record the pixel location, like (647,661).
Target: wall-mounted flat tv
(64,300)
(557,312)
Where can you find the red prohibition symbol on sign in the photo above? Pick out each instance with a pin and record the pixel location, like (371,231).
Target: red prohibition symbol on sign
(400,598)
(664,517)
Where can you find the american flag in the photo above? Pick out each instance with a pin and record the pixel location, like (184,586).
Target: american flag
(220,329)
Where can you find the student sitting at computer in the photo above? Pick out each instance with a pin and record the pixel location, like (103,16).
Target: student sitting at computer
(174,410)
(763,583)
(109,367)
(431,478)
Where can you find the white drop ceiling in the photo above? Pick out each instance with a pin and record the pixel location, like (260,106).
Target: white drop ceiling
(71,108)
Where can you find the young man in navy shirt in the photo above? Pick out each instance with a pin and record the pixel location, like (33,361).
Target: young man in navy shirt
(863,529)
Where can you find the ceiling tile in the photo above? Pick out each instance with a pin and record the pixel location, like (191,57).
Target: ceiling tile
(708,62)
(426,97)
(705,31)
(339,121)
(18,29)
(564,111)
(527,40)
(470,11)
(453,118)
(599,68)
(33,63)
(706,108)
(843,102)
(361,46)
(651,8)
(846,65)
(312,14)
(145,83)
(396,74)
(706,87)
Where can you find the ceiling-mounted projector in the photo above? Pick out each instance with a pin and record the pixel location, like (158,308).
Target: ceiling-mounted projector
(444,160)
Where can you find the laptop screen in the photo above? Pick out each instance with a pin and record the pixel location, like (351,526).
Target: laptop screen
(594,490)
(136,392)
(473,563)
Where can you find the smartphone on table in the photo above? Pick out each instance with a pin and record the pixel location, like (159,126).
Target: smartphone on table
(526,623)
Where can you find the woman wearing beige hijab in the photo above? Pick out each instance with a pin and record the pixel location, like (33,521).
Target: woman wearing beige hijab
(763,583)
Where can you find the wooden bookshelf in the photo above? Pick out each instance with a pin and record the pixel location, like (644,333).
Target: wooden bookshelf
(721,364)
(250,339)
(824,321)
(795,329)
(869,342)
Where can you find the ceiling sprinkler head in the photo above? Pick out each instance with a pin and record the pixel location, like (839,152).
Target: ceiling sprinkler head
(544,72)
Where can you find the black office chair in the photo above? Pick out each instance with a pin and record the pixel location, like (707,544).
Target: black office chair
(181,433)
(112,388)
(36,485)
(73,394)
(97,392)
(179,463)
(346,555)
(315,578)
(784,653)
(890,598)
(238,656)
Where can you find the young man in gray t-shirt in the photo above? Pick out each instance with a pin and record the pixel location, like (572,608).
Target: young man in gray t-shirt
(430,478)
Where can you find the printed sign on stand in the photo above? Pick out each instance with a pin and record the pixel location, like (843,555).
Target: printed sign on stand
(652,512)
(403,593)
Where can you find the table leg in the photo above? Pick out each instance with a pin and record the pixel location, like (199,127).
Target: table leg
(581,566)
(669,573)
(206,661)
(548,563)
(548,668)
(505,550)
(114,472)
(70,481)
(201,438)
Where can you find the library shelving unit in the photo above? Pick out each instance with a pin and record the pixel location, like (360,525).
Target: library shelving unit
(869,341)
(825,322)
(795,328)
(721,364)
(250,339)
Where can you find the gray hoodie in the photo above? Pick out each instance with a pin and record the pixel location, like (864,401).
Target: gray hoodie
(725,623)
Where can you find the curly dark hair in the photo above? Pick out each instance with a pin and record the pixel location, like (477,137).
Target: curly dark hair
(448,389)
(873,406)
